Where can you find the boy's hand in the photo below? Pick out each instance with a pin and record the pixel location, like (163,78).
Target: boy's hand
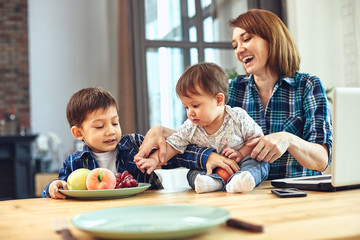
(216,160)
(54,189)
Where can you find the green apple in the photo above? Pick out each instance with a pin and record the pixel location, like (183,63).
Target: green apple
(77,179)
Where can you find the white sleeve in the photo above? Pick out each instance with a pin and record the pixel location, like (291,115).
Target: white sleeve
(248,127)
(182,138)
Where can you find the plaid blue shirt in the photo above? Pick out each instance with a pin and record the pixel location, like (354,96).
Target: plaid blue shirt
(298,106)
(128,147)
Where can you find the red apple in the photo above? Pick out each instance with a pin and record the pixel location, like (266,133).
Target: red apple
(100,178)
(223,174)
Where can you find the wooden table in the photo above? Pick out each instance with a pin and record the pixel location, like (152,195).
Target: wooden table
(318,216)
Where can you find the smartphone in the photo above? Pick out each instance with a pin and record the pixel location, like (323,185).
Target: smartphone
(288,192)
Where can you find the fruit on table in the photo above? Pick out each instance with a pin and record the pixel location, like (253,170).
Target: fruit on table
(77,179)
(125,180)
(100,178)
(223,174)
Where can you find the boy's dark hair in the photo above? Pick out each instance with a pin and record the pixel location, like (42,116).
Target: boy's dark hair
(86,101)
(208,76)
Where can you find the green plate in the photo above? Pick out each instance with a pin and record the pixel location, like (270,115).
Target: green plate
(106,193)
(150,221)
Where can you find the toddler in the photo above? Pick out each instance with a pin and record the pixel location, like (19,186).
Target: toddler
(203,89)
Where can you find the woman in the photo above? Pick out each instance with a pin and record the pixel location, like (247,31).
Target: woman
(290,107)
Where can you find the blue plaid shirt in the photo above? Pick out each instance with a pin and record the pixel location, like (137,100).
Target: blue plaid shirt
(193,157)
(298,106)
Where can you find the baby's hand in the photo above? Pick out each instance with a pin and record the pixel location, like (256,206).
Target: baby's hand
(54,189)
(233,154)
(148,164)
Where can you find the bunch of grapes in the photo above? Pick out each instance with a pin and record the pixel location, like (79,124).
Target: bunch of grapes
(125,180)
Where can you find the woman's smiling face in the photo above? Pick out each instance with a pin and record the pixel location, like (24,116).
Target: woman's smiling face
(251,50)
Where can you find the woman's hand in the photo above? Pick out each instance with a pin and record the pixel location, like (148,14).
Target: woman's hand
(310,155)
(216,160)
(271,147)
(155,138)
(247,148)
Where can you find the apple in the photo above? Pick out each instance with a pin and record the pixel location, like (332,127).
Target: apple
(223,174)
(77,179)
(100,178)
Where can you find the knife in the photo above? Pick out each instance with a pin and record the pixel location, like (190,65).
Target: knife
(239,224)
(61,227)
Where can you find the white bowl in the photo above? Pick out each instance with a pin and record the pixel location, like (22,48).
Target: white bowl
(173,180)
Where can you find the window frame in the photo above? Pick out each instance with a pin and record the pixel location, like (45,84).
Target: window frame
(139,44)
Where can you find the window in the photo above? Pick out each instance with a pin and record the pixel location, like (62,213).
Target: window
(167,37)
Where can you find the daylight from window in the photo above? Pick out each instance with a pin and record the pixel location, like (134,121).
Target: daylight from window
(178,21)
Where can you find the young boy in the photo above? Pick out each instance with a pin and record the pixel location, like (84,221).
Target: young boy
(93,117)
(203,89)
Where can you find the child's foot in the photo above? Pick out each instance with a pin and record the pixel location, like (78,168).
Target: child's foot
(242,182)
(204,183)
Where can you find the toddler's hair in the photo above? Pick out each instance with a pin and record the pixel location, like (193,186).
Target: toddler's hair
(86,101)
(207,76)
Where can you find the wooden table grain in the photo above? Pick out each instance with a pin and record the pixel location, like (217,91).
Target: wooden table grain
(320,215)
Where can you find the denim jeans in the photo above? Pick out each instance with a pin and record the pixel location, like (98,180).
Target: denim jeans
(259,170)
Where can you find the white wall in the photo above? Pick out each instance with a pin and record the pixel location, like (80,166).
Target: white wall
(327,33)
(72,45)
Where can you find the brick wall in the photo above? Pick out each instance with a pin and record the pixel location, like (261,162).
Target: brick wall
(14,66)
